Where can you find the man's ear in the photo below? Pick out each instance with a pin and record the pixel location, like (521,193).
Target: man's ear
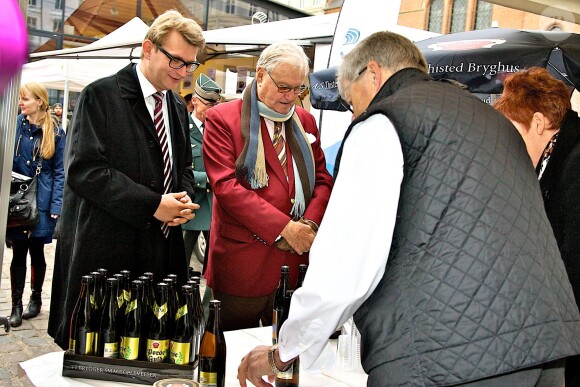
(147,46)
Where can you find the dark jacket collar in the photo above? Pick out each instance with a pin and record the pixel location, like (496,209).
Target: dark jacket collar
(399,80)
(568,137)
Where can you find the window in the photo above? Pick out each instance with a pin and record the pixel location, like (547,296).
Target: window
(483,13)
(58,4)
(435,16)
(31,22)
(231,6)
(32,3)
(458,15)
(57,25)
(252,9)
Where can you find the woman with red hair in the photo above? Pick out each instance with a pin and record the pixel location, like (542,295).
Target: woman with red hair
(539,107)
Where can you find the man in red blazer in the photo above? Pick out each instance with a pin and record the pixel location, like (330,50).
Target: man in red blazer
(264,161)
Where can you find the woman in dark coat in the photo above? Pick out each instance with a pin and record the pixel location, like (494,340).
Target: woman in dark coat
(539,107)
(37,138)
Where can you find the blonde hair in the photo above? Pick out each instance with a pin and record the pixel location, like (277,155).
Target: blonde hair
(45,120)
(172,20)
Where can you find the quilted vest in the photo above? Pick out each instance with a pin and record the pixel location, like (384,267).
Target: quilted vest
(474,285)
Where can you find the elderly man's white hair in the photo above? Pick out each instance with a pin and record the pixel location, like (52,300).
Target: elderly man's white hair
(284,52)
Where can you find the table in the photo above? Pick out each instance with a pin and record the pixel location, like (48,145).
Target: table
(46,370)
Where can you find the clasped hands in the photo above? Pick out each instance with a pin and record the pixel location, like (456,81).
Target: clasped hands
(175,208)
(297,236)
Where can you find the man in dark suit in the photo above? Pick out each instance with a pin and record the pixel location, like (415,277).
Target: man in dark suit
(128,166)
(207,94)
(271,187)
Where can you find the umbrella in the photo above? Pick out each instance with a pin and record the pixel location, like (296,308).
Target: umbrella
(481,59)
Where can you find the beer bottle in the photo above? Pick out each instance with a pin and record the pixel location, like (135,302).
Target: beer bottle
(157,338)
(127,288)
(151,293)
(174,301)
(97,292)
(181,343)
(82,322)
(133,316)
(301,274)
(212,351)
(197,317)
(103,272)
(109,336)
(120,302)
(291,375)
(172,304)
(147,315)
(283,285)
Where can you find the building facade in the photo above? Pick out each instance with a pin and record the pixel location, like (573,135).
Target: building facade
(58,24)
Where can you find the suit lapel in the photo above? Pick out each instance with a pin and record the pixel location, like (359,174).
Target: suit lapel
(130,89)
(176,130)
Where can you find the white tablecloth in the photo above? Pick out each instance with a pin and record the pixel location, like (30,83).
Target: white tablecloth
(46,370)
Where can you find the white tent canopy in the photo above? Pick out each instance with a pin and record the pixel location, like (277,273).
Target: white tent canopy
(69,70)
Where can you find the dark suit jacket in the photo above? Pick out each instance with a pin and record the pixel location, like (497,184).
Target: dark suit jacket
(560,186)
(245,222)
(114,183)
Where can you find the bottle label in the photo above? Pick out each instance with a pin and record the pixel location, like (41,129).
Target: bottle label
(131,306)
(208,379)
(157,350)
(179,352)
(120,300)
(181,312)
(71,344)
(111,350)
(286,375)
(127,295)
(160,311)
(129,348)
(85,343)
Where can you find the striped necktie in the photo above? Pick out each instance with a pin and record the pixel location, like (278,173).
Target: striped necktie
(279,145)
(162,134)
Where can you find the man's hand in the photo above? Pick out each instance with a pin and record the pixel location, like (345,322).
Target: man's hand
(175,209)
(299,236)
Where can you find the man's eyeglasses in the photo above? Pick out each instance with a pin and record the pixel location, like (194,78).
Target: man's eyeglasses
(287,89)
(343,96)
(208,103)
(176,63)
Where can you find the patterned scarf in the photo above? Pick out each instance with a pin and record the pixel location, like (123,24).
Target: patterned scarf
(251,164)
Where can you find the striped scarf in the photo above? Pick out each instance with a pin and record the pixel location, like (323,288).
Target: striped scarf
(251,164)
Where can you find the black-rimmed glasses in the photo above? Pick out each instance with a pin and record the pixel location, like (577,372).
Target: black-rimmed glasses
(287,89)
(176,63)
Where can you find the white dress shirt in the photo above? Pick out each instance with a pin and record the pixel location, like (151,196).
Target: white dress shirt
(148,90)
(350,251)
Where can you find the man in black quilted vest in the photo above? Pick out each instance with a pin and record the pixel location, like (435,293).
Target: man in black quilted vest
(452,273)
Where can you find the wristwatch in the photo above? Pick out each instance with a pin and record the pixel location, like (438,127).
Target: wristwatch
(271,360)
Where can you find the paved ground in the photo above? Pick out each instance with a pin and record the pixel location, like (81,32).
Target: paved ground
(30,339)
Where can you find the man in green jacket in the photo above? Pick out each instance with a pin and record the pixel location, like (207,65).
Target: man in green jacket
(207,94)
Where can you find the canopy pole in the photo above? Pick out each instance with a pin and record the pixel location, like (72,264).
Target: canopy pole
(65,101)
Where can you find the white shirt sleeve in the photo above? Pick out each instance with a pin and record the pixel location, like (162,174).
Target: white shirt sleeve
(350,252)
